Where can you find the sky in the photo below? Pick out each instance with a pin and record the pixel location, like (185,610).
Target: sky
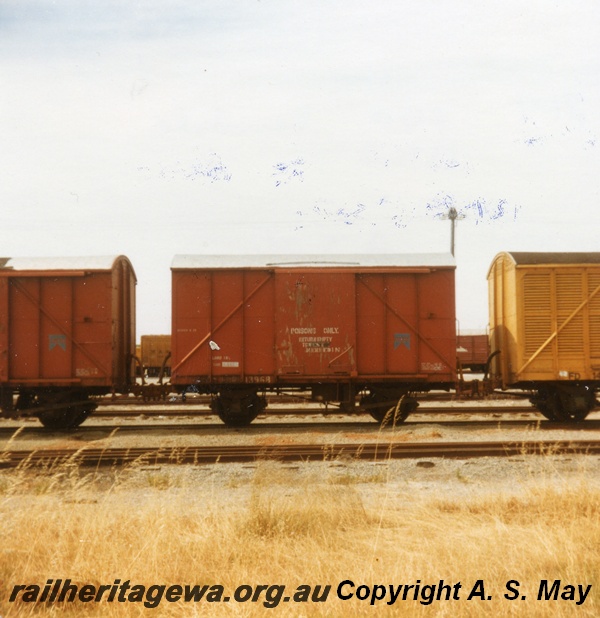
(152,129)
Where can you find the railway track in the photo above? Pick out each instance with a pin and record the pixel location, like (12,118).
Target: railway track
(295,452)
(294,427)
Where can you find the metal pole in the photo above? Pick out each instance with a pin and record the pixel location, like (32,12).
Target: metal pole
(452,215)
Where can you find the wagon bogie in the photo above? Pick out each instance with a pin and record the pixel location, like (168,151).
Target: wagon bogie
(238,407)
(565,402)
(64,409)
(389,406)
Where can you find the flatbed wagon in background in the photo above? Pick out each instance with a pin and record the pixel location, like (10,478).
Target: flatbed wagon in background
(381,328)
(545,329)
(67,333)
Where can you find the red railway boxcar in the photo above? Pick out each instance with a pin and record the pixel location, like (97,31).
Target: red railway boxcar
(67,332)
(378,326)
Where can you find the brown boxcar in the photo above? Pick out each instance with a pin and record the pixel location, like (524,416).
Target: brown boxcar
(472,351)
(67,331)
(545,329)
(382,327)
(156,354)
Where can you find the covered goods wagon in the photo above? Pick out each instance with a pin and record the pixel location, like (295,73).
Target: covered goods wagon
(67,333)
(545,329)
(371,329)
(155,354)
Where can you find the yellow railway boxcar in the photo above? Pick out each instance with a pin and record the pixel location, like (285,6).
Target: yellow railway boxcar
(156,353)
(545,329)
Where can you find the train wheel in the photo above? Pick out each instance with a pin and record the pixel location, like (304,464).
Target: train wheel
(576,404)
(71,409)
(6,400)
(549,406)
(238,411)
(547,412)
(26,402)
(387,412)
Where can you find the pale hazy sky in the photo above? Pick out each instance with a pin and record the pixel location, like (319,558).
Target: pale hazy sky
(273,126)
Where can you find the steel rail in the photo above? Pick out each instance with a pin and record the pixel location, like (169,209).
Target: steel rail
(374,451)
(369,428)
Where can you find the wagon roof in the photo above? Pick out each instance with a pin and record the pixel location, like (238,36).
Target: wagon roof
(87,263)
(532,258)
(313,261)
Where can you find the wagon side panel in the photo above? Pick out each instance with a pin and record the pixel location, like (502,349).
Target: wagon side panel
(536,349)
(387,324)
(92,339)
(40,330)
(259,311)
(59,331)
(316,323)
(241,329)
(227,324)
(25,344)
(406,325)
(559,331)
(372,327)
(223,326)
(191,322)
(436,334)
(56,328)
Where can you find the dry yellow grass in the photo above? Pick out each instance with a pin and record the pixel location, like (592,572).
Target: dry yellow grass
(285,528)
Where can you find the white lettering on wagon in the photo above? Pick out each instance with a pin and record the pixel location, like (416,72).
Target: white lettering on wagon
(258,379)
(319,349)
(316,343)
(321,341)
(432,366)
(86,372)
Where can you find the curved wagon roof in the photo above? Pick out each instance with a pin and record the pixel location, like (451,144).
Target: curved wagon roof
(63,265)
(532,258)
